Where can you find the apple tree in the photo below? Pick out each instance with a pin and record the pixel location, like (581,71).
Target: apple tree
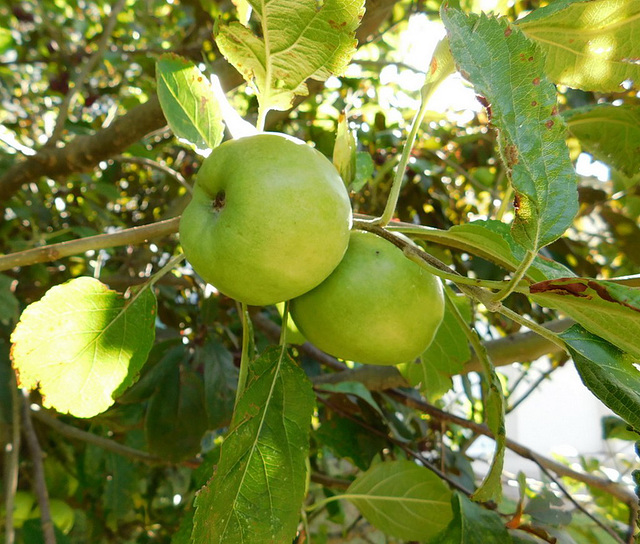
(264,280)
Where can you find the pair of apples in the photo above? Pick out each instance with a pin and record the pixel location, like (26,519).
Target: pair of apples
(270,220)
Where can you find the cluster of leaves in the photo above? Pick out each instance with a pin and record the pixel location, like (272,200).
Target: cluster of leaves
(146,448)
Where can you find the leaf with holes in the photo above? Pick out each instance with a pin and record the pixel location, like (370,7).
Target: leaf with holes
(257,490)
(507,69)
(188,102)
(300,39)
(588,45)
(402,499)
(82,345)
(604,308)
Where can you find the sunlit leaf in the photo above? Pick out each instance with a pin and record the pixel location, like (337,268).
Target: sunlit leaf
(606,309)
(300,39)
(402,499)
(590,45)
(257,490)
(607,371)
(609,133)
(507,69)
(188,102)
(83,344)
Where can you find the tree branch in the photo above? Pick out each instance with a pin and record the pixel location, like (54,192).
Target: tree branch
(514,348)
(52,252)
(84,153)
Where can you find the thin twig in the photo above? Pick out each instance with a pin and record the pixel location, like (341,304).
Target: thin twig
(612,488)
(12,455)
(106,444)
(40,485)
(53,252)
(158,166)
(417,456)
(78,82)
(329,481)
(566,493)
(532,388)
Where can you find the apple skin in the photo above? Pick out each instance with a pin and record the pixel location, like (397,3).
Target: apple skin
(269,219)
(377,307)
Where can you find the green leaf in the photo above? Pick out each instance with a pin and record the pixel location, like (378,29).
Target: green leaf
(494,407)
(364,170)
(82,344)
(614,427)
(589,45)
(6,41)
(188,102)
(508,70)
(257,490)
(610,133)
(445,357)
(348,440)
(472,524)
(220,382)
(344,151)
(402,499)
(176,417)
(604,308)
(607,371)
(300,39)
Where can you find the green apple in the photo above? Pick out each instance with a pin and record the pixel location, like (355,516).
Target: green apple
(269,219)
(377,307)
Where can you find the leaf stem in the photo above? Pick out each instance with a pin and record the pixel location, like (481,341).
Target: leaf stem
(262,118)
(285,321)
(538,329)
(515,279)
(244,358)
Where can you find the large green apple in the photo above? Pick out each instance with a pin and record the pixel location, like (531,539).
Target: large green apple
(269,219)
(377,306)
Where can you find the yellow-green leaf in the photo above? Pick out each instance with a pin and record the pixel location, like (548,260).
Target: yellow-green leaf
(589,44)
(83,344)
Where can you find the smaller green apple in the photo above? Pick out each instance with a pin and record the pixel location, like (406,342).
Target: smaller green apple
(377,307)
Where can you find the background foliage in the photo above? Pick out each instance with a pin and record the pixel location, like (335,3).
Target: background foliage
(85,150)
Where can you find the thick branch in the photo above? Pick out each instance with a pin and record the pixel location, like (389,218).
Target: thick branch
(519,347)
(84,153)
